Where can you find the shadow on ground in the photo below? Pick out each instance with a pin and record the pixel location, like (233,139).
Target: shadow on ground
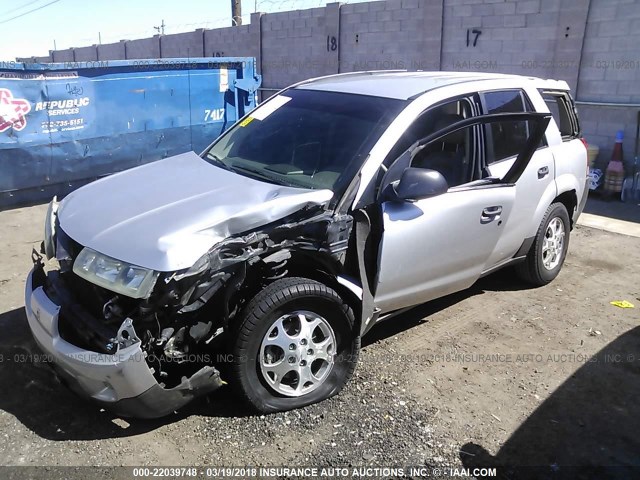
(502,281)
(34,395)
(629,212)
(588,427)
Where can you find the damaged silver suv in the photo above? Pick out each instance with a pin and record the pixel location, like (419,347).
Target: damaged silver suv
(335,204)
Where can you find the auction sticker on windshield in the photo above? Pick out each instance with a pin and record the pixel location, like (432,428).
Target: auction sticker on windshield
(268,108)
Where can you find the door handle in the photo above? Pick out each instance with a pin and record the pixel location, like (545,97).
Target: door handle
(490,213)
(543,172)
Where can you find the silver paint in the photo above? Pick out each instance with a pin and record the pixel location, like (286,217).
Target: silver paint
(439,245)
(103,377)
(167,214)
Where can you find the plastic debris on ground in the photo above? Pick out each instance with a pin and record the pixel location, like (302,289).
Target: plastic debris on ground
(622,304)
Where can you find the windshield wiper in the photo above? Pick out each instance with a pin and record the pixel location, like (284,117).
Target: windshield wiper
(253,171)
(218,162)
(261,175)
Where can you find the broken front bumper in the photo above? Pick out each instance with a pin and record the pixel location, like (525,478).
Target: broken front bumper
(121,382)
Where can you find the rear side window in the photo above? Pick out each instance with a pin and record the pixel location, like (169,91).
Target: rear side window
(563,112)
(505,139)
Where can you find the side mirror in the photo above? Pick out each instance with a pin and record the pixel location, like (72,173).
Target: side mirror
(418,183)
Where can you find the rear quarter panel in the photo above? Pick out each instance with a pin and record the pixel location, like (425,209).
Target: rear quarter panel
(571,168)
(570,163)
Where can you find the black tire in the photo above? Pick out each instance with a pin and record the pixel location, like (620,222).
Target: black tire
(532,270)
(277,299)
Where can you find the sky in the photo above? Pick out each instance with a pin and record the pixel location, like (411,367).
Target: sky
(33,27)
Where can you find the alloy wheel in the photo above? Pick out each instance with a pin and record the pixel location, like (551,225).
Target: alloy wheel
(297,353)
(553,244)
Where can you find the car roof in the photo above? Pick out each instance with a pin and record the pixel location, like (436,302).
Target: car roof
(403,85)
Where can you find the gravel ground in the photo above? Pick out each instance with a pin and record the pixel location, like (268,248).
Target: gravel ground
(479,377)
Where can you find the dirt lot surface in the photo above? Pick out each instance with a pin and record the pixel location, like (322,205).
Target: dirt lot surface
(496,374)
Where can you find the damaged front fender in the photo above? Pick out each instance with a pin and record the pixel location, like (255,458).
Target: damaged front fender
(174,336)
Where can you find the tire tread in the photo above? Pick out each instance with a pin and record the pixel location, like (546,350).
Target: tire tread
(260,305)
(530,269)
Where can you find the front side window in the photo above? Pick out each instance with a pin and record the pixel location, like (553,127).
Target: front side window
(306,138)
(452,156)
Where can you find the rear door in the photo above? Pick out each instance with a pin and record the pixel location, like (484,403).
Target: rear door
(438,245)
(535,188)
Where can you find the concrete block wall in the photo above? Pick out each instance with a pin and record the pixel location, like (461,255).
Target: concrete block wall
(66,55)
(43,59)
(542,38)
(230,42)
(570,33)
(592,44)
(143,48)
(298,44)
(610,67)
(86,54)
(183,45)
(610,72)
(396,34)
(112,51)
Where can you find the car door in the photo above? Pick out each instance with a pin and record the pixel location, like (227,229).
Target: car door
(436,245)
(535,188)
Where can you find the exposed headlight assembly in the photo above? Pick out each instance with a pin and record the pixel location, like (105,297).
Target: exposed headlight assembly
(115,275)
(50,229)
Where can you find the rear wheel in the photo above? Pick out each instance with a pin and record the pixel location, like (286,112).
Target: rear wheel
(295,346)
(546,256)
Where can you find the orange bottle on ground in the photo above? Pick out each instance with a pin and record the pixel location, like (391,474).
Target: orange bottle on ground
(614,176)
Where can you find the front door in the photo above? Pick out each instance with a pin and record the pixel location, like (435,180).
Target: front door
(437,245)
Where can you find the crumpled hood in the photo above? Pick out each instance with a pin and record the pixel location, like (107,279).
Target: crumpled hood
(166,214)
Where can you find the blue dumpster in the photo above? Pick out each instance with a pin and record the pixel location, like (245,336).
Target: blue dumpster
(64,124)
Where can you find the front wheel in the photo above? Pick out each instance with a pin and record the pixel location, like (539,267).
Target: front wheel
(546,256)
(295,345)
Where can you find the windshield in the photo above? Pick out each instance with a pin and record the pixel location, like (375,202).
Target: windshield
(305,138)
